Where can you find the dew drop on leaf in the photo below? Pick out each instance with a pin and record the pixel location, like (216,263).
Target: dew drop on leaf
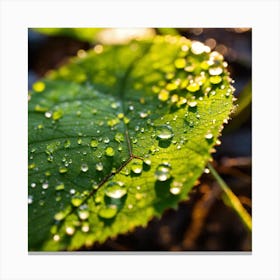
(209,136)
(83,214)
(93,143)
(56,237)
(115,190)
(62,170)
(48,115)
(192,103)
(137,166)
(215,80)
(176,188)
(76,201)
(45,186)
(109,151)
(67,143)
(193,87)
(214,71)
(30,199)
(108,212)
(164,132)
(163,95)
(84,167)
(163,172)
(70,230)
(59,187)
(99,166)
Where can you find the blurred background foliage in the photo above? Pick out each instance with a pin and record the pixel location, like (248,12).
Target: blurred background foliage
(204,222)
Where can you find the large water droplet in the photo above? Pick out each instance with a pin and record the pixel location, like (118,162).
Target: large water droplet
(137,166)
(108,212)
(163,172)
(164,132)
(115,190)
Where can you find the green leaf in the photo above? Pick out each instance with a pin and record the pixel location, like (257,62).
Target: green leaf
(120,135)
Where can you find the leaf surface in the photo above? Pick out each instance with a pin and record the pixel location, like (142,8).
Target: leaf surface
(118,136)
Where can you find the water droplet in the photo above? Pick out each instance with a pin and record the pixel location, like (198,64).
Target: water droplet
(76,200)
(57,115)
(30,199)
(70,230)
(79,141)
(93,143)
(163,172)
(164,132)
(131,108)
(33,185)
(60,216)
(176,187)
(39,86)
(143,115)
(67,143)
(31,166)
(180,63)
(85,227)
(119,137)
(72,191)
(56,237)
(59,187)
(209,136)
(84,167)
(115,190)
(137,166)
(109,151)
(48,115)
(193,87)
(62,170)
(198,48)
(163,95)
(147,161)
(99,166)
(45,186)
(108,212)
(206,170)
(106,140)
(83,214)
(215,80)
(214,71)
(192,104)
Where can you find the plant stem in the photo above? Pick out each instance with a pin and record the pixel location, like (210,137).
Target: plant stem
(233,200)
